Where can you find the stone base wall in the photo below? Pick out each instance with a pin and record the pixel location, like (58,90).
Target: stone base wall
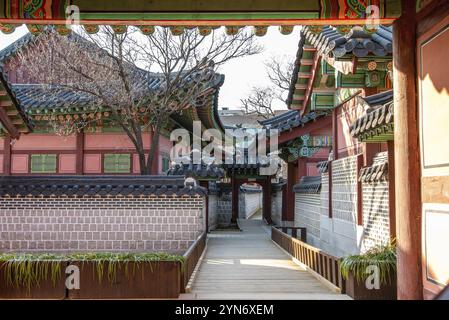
(112,223)
(307,214)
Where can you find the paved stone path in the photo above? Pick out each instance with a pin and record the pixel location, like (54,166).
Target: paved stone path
(248,265)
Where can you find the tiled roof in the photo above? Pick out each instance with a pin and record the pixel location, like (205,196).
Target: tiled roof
(378,121)
(323,166)
(37,98)
(378,171)
(357,41)
(308,184)
(97,186)
(10,92)
(291,119)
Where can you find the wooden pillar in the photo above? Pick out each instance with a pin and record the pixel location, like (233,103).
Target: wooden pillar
(391,190)
(369,151)
(80,152)
(335,133)
(301,169)
(155,164)
(289,214)
(407,162)
(267,200)
(7,155)
(360,160)
(205,184)
(235,198)
(330,190)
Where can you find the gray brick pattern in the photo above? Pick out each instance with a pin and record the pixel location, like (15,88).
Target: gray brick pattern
(344,189)
(63,224)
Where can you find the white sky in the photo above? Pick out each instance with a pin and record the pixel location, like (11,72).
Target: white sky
(240,74)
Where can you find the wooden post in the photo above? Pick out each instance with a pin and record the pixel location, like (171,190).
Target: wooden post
(289,214)
(155,165)
(235,199)
(330,190)
(360,161)
(267,200)
(335,133)
(407,162)
(80,152)
(391,190)
(205,184)
(7,155)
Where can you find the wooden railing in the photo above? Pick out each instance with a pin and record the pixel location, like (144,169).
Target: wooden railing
(191,258)
(324,265)
(294,232)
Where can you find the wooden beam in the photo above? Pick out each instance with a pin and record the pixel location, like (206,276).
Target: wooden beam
(316,62)
(8,124)
(6,103)
(307,128)
(407,162)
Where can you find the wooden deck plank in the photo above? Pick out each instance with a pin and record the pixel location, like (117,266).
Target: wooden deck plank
(248,265)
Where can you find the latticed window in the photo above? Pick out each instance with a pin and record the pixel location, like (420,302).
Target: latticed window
(43,163)
(117,163)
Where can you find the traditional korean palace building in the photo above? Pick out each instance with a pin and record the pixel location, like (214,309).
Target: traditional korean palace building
(364,141)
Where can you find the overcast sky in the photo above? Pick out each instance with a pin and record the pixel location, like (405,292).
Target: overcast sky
(240,74)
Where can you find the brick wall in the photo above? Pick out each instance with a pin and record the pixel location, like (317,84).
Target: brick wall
(112,223)
(376,222)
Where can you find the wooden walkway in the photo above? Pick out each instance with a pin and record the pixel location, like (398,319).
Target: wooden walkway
(248,265)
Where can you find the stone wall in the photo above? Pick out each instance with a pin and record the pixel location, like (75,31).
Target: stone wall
(250,203)
(213,211)
(276,205)
(100,223)
(376,221)
(307,214)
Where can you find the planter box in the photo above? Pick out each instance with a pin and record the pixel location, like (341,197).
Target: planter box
(358,290)
(158,279)
(45,290)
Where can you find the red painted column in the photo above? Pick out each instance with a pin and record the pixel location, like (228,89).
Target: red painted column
(289,213)
(266,187)
(407,160)
(80,153)
(205,184)
(155,164)
(7,155)
(235,199)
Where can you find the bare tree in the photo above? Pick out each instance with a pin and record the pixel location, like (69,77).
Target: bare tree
(260,99)
(260,102)
(139,80)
